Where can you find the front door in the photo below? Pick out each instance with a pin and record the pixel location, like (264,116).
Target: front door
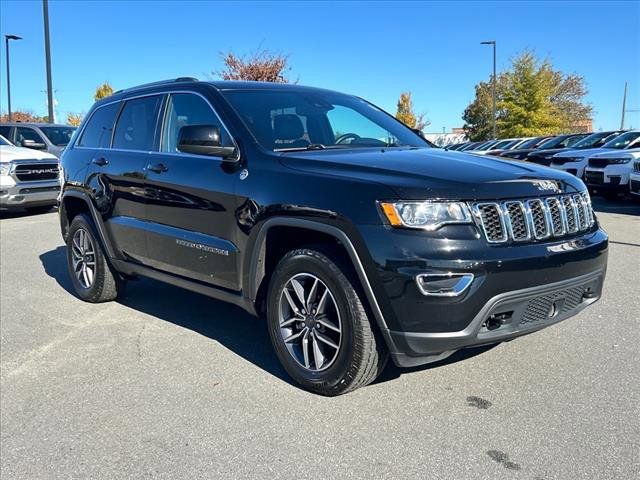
(190,202)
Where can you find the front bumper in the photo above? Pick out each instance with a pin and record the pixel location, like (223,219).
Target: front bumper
(27,194)
(422,329)
(613,177)
(504,317)
(574,168)
(634,183)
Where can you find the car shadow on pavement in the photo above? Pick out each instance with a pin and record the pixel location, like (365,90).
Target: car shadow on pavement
(230,326)
(621,205)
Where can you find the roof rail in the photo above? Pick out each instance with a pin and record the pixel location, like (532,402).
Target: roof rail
(161,82)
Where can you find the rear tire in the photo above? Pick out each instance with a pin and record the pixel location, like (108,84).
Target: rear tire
(93,278)
(341,321)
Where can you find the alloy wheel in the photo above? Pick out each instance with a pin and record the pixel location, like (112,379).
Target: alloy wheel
(83,258)
(309,320)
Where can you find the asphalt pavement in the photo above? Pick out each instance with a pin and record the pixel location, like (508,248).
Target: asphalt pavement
(169,384)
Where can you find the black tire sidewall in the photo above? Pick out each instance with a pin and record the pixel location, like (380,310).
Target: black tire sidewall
(338,285)
(93,292)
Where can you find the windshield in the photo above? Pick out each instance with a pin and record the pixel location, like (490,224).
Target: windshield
(4,142)
(314,120)
(532,142)
(595,140)
(561,141)
(622,141)
(59,136)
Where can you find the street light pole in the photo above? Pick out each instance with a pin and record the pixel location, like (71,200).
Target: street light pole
(47,51)
(6,39)
(493,85)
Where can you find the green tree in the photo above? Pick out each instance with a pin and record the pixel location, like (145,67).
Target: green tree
(406,114)
(477,116)
(532,99)
(103,91)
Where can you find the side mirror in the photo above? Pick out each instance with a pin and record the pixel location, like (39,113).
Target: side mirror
(204,140)
(33,144)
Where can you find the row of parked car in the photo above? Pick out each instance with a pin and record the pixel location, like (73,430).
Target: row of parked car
(608,162)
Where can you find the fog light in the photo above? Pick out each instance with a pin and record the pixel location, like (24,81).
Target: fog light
(443,284)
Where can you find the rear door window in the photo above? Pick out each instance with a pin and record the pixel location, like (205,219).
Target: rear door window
(136,126)
(97,133)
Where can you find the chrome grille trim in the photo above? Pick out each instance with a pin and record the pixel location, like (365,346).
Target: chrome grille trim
(492,221)
(534,219)
(515,218)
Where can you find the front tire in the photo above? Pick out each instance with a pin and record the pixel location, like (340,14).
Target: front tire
(93,279)
(318,325)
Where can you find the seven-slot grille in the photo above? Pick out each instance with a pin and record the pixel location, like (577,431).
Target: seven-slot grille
(534,219)
(33,172)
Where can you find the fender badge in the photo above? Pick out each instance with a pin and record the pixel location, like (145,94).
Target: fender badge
(244,174)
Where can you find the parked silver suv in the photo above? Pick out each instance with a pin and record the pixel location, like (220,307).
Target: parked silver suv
(49,137)
(28,179)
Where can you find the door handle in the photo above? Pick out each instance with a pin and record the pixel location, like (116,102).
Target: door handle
(101,161)
(157,168)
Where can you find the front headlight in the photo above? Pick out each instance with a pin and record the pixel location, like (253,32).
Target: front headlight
(618,161)
(427,215)
(5,168)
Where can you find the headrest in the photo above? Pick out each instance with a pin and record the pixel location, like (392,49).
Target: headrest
(287,127)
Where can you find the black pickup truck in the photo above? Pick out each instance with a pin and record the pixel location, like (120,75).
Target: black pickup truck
(319,211)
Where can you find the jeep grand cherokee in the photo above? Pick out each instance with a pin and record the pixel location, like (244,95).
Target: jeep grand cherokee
(321,212)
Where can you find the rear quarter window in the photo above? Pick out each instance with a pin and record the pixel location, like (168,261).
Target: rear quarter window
(97,133)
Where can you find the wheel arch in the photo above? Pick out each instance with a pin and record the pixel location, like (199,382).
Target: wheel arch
(258,274)
(73,203)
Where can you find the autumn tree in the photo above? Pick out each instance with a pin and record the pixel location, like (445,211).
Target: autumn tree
(531,99)
(23,116)
(74,119)
(406,114)
(261,66)
(103,91)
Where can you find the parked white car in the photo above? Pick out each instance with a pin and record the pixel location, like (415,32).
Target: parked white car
(28,178)
(575,161)
(609,172)
(634,179)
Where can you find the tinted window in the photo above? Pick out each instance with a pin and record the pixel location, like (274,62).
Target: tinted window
(24,133)
(5,131)
(188,109)
(97,133)
(136,125)
(622,141)
(295,119)
(59,136)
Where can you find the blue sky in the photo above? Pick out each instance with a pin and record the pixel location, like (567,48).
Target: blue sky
(373,49)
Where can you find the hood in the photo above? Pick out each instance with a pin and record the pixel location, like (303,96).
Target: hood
(587,152)
(433,173)
(9,153)
(619,153)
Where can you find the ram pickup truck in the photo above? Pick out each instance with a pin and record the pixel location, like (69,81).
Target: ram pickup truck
(323,214)
(28,179)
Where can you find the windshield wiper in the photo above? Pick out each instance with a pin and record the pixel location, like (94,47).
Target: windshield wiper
(312,146)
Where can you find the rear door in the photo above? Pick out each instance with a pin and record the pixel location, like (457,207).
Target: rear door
(116,173)
(190,200)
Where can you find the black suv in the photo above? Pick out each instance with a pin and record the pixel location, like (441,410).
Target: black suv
(323,213)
